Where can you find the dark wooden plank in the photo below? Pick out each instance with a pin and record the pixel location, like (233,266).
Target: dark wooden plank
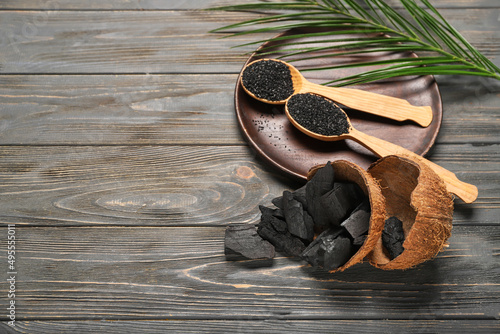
(470,110)
(125,109)
(117,42)
(258,326)
(134,185)
(183,109)
(182,185)
(157,41)
(160,273)
(183,4)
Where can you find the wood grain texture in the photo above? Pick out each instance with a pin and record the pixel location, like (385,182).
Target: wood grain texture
(258,326)
(184,4)
(181,273)
(181,185)
(183,109)
(121,163)
(158,41)
(126,109)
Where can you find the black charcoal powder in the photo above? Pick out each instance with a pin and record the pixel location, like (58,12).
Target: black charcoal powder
(269,80)
(318,114)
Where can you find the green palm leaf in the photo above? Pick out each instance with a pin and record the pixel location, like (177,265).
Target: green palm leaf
(416,26)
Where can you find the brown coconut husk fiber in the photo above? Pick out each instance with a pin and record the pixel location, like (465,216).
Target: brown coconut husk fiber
(416,195)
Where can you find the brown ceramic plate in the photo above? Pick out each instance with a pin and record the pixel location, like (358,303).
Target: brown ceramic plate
(269,132)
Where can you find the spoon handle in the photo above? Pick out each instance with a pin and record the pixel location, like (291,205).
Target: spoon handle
(377,104)
(467,192)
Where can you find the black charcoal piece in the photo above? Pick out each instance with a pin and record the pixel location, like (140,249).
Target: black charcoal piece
(297,222)
(338,203)
(321,183)
(278,213)
(268,79)
(244,241)
(318,114)
(309,222)
(359,241)
(275,231)
(278,202)
(393,237)
(299,195)
(314,253)
(266,211)
(337,252)
(270,217)
(358,221)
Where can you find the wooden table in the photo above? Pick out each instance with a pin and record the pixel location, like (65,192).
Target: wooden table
(122,163)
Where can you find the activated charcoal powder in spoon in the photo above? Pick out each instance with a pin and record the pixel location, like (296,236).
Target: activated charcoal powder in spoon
(318,114)
(268,79)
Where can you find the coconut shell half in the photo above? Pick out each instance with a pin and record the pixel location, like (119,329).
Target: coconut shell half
(348,172)
(416,195)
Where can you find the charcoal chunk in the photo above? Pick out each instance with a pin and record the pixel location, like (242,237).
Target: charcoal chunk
(244,241)
(393,236)
(275,231)
(337,252)
(270,217)
(278,202)
(299,195)
(358,222)
(321,183)
(338,203)
(266,211)
(360,240)
(314,254)
(298,222)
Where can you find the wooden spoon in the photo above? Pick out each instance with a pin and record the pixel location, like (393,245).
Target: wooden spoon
(377,104)
(467,192)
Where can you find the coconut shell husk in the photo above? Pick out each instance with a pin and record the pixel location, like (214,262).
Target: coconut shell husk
(348,172)
(416,195)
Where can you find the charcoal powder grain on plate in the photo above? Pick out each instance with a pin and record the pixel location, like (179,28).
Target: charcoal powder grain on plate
(268,79)
(318,114)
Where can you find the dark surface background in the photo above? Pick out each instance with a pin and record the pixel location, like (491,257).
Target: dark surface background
(121,163)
